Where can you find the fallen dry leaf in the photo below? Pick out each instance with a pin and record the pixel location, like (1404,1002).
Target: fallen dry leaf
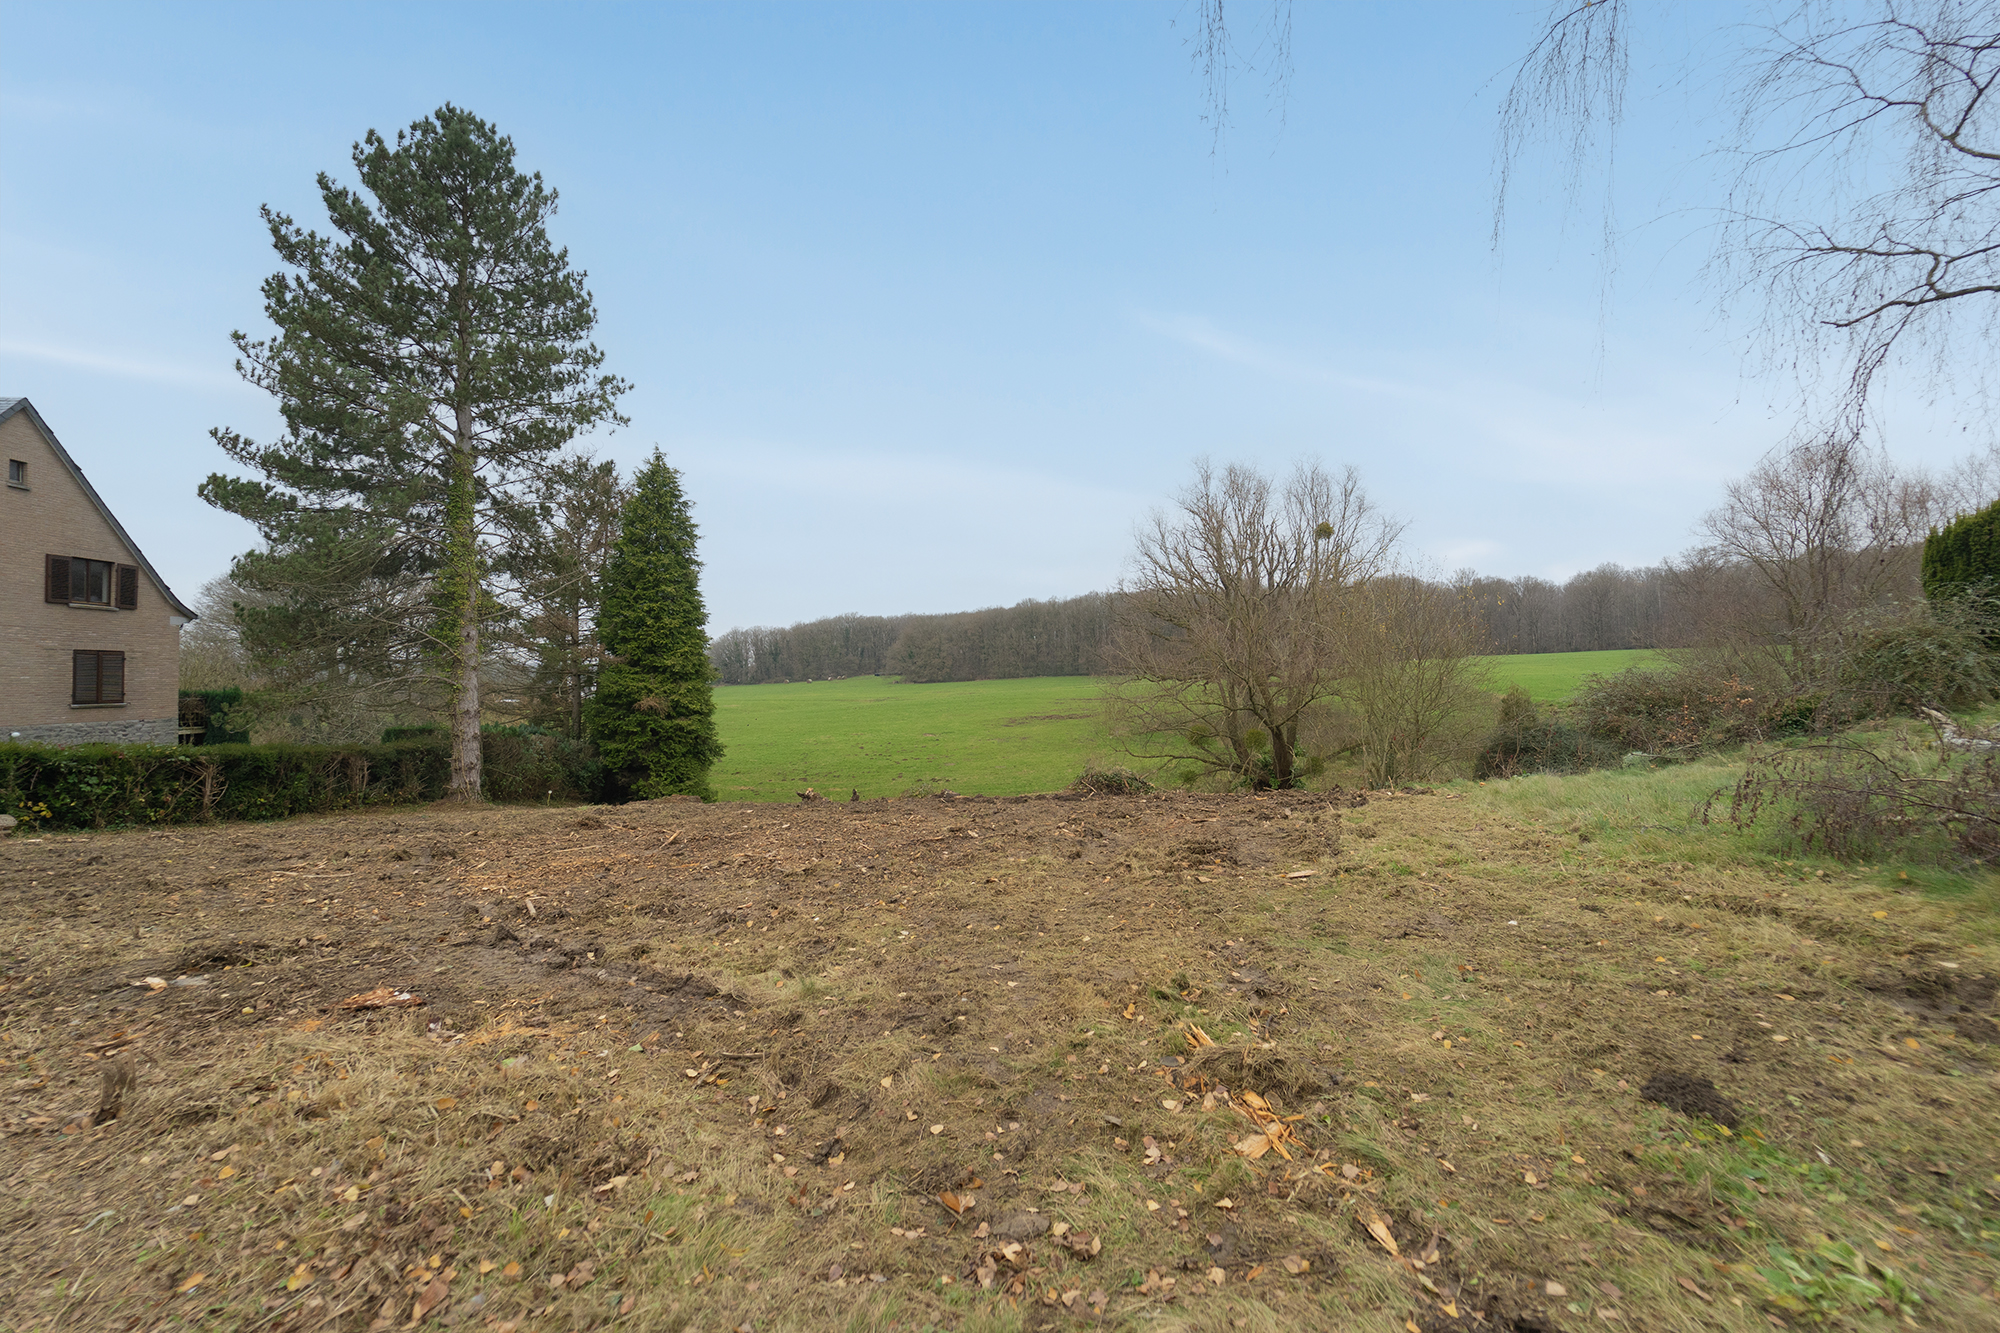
(1688,1285)
(1378,1227)
(428,1299)
(1294,1264)
(191,1283)
(1253,1146)
(1555,1289)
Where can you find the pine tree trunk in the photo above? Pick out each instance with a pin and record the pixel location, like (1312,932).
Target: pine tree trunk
(462,581)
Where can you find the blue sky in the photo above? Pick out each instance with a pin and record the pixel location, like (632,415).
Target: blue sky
(930,303)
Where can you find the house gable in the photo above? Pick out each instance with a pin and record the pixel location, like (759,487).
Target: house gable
(89,633)
(12,407)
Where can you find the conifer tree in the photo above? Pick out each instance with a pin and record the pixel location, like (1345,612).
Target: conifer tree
(653,716)
(432,356)
(1964,556)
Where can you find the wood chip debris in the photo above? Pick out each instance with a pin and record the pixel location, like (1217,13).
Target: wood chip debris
(383,997)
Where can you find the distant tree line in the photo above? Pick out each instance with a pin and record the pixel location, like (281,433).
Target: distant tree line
(1057,637)
(1669,605)
(1607,607)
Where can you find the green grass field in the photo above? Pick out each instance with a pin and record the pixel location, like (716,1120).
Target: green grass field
(1549,677)
(880,737)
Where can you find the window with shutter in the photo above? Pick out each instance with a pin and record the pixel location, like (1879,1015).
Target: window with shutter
(96,677)
(74,579)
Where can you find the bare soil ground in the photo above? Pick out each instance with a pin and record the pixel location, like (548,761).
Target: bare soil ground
(944,1063)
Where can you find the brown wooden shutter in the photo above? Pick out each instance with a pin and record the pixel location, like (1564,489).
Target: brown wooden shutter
(83,677)
(55,585)
(111,678)
(128,588)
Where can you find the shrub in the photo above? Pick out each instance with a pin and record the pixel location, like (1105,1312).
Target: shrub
(1941,661)
(1853,802)
(95,786)
(1678,711)
(1537,745)
(211,711)
(1525,742)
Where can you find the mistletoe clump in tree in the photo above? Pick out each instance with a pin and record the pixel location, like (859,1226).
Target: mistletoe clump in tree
(432,357)
(653,716)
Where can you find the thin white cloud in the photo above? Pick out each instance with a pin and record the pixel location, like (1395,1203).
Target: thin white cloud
(1202,335)
(124,367)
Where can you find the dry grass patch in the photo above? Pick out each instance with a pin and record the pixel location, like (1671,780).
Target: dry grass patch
(935,1064)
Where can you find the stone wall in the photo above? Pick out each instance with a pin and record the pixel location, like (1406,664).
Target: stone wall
(109,731)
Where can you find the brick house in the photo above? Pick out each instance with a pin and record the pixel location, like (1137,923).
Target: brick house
(89,633)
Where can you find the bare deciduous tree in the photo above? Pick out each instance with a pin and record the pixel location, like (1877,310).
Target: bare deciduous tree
(1874,222)
(1215,54)
(1814,534)
(1236,622)
(1865,209)
(212,655)
(1415,680)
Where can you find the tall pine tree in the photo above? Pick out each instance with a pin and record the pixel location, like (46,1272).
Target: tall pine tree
(653,716)
(432,356)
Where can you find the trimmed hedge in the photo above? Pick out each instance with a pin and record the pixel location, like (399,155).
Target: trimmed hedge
(93,786)
(1963,554)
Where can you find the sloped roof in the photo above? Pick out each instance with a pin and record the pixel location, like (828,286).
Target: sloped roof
(10,406)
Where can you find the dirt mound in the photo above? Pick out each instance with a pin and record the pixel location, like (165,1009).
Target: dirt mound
(1691,1094)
